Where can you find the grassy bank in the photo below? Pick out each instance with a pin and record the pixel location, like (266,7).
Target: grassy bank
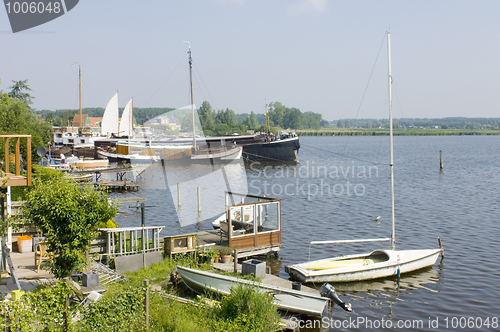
(122,307)
(385,132)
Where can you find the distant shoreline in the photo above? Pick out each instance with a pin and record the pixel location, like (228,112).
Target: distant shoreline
(399,132)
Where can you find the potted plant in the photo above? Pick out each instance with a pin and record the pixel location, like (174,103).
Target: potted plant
(210,255)
(225,254)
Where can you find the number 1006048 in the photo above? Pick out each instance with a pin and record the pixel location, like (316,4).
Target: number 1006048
(33,7)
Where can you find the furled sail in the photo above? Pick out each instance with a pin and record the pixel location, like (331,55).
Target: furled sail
(109,123)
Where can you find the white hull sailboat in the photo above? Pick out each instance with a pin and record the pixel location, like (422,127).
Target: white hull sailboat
(377,264)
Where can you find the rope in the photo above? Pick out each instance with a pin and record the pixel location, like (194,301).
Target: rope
(342,155)
(183,58)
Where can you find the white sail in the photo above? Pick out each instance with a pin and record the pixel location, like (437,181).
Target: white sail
(126,121)
(109,123)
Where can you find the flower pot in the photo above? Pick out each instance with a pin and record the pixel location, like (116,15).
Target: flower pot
(226,258)
(216,259)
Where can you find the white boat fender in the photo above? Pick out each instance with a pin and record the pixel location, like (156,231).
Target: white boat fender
(328,290)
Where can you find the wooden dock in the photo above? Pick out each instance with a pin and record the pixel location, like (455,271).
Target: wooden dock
(215,238)
(118,185)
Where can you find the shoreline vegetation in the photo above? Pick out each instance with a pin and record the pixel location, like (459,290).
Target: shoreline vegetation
(385,132)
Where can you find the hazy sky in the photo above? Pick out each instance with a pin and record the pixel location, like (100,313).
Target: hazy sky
(315,55)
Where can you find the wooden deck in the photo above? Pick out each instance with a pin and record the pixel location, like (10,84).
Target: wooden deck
(214,237)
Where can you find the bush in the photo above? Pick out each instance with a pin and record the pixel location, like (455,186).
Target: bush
(250,309)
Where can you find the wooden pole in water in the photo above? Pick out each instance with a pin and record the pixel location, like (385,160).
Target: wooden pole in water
(441,247)
(146,302)
(235,260)
(441,159)
(179,195)
(199,200)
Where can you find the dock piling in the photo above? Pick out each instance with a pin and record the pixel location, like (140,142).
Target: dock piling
(179,195)
(235,260)
(199,200)
(440,160)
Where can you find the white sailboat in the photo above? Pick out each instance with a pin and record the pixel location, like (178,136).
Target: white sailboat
(376,264)
(126,122)
(109,124)
(201,152)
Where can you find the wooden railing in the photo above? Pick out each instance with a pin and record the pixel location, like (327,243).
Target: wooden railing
(16,179)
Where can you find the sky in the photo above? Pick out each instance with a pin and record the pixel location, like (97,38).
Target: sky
(314,55)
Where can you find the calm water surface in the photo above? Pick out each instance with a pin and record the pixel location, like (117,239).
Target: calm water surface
(342,184)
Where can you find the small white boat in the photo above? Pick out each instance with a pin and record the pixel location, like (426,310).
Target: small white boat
(286,299)
(90,164)
(127,158)
(377,264)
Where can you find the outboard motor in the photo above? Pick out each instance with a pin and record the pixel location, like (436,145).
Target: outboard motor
(328,290)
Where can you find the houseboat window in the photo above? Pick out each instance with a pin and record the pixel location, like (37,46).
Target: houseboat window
(268,217)
(242,220)
(71,141)
(82,141)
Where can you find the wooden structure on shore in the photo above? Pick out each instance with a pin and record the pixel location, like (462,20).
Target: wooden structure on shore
(252,227)
(16,179)
(253,224)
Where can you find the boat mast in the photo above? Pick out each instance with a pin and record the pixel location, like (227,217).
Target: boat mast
(393,220)
(131,121)
(267,122)
(80,95)
(192,102)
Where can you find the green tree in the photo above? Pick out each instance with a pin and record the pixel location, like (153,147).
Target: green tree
(251,121)
(17,118)
(69,215)
(207,116)
(340,124)
(292,118)
(227,117)
(276,113)
(311,120)
(17,92)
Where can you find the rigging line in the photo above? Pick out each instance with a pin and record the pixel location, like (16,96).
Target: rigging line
(168,77)
(350,157)
(366,89)
(317,155)
(208,92)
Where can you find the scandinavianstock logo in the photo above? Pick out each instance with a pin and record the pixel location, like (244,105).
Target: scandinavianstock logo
(25,15)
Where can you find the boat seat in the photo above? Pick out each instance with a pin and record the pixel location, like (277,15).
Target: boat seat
(337,264)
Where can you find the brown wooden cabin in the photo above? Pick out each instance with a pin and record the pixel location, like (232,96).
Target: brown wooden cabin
(252,223)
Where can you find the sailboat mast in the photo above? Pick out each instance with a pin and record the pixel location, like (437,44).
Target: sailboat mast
(267,122)
(80,93)
(131,120)
(393,219)
(192,101)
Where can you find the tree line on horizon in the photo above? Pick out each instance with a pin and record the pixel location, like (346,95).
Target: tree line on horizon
(425,123)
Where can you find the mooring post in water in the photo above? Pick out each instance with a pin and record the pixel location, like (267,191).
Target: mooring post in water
(440,159)
(146,302)
(178,195)
(441,247)
(199,200)
(235,260)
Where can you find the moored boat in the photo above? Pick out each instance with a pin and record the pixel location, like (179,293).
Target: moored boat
(377,264)
(286,299)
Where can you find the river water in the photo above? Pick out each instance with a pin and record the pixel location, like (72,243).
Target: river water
(340,186)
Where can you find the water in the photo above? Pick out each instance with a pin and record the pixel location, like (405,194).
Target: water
(323,199)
